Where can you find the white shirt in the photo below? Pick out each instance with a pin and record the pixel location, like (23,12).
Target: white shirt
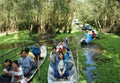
(61,66)
(17,73)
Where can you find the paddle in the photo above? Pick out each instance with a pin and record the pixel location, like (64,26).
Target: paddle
(77,61)
(38,68)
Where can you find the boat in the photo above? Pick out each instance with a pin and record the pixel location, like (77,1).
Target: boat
(88,38)
(72,71)
(33,71)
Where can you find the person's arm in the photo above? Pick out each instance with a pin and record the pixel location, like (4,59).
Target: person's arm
(33,56)
(12,79)
(51,58)
(30,63)
(64,69)
(59,71)
(6,72)
(19,61)
(20,72)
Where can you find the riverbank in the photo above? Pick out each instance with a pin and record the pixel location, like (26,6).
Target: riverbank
(107,65)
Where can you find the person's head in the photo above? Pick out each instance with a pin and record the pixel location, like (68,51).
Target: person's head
(15,64)
(87,31)
(27,50)
(23,53)
(64,49)
(54,49)
(7,63)
(61,56)
(37,45)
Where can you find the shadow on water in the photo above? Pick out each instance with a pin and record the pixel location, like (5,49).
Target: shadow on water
(90,51)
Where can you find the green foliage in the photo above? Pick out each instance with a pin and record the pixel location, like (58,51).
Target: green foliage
(20,36)
(108,66)
(102,14)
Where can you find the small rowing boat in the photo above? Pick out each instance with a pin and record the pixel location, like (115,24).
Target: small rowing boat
(72,73)
(31,74)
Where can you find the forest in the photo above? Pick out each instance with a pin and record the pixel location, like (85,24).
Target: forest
(53,16)
(27,22)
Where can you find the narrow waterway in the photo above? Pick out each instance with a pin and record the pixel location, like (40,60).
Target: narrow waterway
(89,69)
(90,51)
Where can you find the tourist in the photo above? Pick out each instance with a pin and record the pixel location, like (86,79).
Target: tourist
(36,51)
(7,67)
(31,55)
(25,61)
(17,73)
(61,71)
(53,58)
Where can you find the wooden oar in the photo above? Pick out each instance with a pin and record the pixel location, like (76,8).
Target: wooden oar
(39,64)
(77,61)
(38,68)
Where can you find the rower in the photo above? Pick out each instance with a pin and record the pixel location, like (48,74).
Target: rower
(36,51)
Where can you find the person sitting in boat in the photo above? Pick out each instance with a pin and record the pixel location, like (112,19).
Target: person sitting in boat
(87,38)
(31,55)
(61,71)
(7,67)
(88,27)
(53,58)
(26,62)
(36,51)
(17,73)
(66,43)
(94,33)
(60,46)
(66,53)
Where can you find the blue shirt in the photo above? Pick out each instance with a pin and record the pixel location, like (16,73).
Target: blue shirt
(66,56)
(88,27)
(25,62)
(88,38)
(35,51)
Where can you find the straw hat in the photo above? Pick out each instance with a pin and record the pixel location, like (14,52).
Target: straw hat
(36,45)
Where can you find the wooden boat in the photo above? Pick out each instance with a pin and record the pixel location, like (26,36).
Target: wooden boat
(33,71)
(84,41)
(72,70)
